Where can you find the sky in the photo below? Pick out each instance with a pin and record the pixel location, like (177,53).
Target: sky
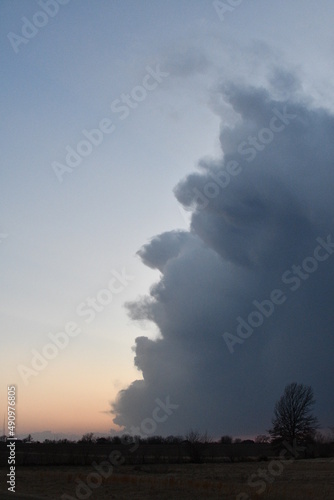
(167,212)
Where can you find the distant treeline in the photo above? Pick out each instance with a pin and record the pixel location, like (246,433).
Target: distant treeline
(154,449)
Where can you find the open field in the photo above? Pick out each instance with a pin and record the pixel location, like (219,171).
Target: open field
(298,480)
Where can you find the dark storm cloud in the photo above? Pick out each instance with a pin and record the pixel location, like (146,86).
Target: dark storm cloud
(163,248)
(252,220)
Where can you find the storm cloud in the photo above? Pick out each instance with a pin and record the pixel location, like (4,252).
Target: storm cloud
(264,206)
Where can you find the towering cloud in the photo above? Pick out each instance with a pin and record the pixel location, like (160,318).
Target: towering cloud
(244,302)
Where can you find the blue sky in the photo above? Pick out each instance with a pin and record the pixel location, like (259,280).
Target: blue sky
(65,239)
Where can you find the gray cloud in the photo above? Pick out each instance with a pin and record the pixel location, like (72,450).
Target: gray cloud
(243,238)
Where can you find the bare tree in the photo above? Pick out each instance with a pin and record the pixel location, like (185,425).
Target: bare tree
(293,421)
(196,444)
(87,438)
(28,439)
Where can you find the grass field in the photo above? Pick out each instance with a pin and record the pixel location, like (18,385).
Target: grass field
(299,480)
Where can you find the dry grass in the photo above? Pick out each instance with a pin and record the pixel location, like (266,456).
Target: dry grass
(300,480)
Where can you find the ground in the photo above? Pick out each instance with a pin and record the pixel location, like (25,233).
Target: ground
(298,480)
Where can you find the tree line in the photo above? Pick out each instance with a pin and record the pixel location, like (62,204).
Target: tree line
(293,423)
